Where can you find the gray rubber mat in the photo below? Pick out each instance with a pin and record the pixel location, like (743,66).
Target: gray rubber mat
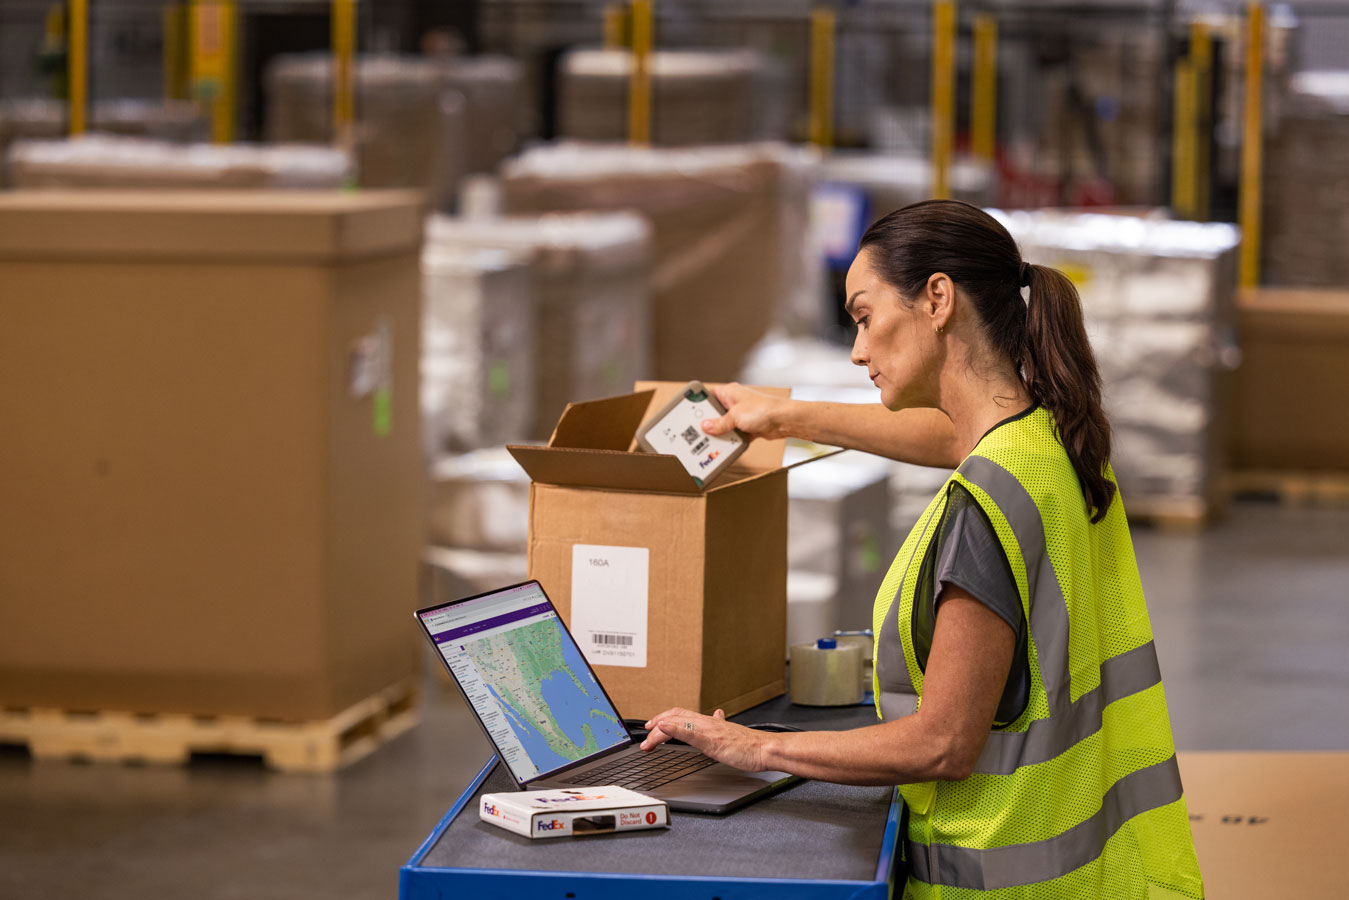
(813,830)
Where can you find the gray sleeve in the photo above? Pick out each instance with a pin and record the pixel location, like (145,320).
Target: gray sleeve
(971,557)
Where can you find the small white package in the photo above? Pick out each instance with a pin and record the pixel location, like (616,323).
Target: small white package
(574,811)
(677,430)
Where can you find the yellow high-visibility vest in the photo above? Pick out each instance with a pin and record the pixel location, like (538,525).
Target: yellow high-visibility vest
(1080,796)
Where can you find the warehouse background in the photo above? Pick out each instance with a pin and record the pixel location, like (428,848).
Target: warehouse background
(281,279)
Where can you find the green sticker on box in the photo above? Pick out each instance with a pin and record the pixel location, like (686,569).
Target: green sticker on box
(613,374)
(383,406)
(871,553)
(499,379)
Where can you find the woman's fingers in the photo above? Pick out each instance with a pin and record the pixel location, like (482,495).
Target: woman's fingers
(719,425)
(749,411)
(654,738)
(725,742)
(657,735)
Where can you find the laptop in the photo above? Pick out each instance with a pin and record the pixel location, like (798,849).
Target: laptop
(553,725)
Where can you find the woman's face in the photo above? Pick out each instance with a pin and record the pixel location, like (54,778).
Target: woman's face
(895,341)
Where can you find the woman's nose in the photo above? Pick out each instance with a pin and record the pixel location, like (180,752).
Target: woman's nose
(859,351)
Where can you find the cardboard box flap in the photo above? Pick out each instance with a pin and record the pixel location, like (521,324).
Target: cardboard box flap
(824,453)
(761,456)
(607,424)
(600,468)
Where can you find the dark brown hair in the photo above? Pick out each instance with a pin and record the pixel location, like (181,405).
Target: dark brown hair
(1044,337)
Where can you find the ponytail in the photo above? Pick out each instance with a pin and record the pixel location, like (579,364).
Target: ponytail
(1044,337)
(1060,372)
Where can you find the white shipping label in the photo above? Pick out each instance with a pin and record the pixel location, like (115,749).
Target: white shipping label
(608,603)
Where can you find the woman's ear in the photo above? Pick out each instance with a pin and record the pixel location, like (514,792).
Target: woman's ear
(941,295)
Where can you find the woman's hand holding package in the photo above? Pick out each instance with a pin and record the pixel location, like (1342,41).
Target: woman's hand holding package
(752,413)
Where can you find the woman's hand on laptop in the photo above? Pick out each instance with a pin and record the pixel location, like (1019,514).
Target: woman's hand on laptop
(726,742)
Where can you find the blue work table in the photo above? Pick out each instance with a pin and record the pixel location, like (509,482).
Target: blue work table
(812,840)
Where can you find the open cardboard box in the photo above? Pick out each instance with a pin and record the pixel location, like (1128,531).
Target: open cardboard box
(676,594)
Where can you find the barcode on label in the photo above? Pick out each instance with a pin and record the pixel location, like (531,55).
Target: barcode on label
(617,640)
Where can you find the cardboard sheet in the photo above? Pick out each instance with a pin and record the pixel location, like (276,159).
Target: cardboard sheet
(1269,824)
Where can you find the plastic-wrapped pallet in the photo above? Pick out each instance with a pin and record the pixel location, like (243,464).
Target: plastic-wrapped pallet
(410,130)
(478,348)
(838,525)
(1159,298)
(479,501)
(106,161)
(590,271)
(847,515)
(697,96)
(810,367)
(175,120)
(491,88)
(451,574)
(1307,184)
(729,226)
(168,120)
(890,182)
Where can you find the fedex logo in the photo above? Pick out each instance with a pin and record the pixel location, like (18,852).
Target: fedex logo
(703,464)
(554,825)
(490,809)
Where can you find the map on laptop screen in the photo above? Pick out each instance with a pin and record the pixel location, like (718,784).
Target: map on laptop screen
(527,680)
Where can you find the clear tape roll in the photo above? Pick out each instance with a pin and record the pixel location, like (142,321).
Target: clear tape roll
(830,677)
(867,643)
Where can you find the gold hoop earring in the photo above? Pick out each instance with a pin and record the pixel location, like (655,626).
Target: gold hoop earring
(939,329)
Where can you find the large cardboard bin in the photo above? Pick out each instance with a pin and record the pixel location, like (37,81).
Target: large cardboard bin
(1293,377)
(211,500)
(677,595)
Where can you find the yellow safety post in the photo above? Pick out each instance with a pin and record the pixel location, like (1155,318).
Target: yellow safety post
(1201,57)
(1252,149)
(1184,136)
(54,26)
(639,85)
(175,53)
(78,65)
(213,24)
(615,26)
(823,24)
(943,94)
(984,89)
(344,74)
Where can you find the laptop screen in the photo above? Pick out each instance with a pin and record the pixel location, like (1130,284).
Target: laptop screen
(526,679)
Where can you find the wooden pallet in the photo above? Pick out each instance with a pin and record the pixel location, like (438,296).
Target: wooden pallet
(318,746)
(1176,515)
(1291,488)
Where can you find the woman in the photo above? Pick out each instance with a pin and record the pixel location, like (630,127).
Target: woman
(1021,705)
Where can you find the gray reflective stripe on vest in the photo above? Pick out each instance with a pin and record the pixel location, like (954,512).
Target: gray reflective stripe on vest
(1121,675)
(1128,673)
(1017,864)
(899,697)
(1049,611)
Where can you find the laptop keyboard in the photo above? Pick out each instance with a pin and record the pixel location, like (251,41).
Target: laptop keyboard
(643,771)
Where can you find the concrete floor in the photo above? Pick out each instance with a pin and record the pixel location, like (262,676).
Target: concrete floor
(1251,619)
